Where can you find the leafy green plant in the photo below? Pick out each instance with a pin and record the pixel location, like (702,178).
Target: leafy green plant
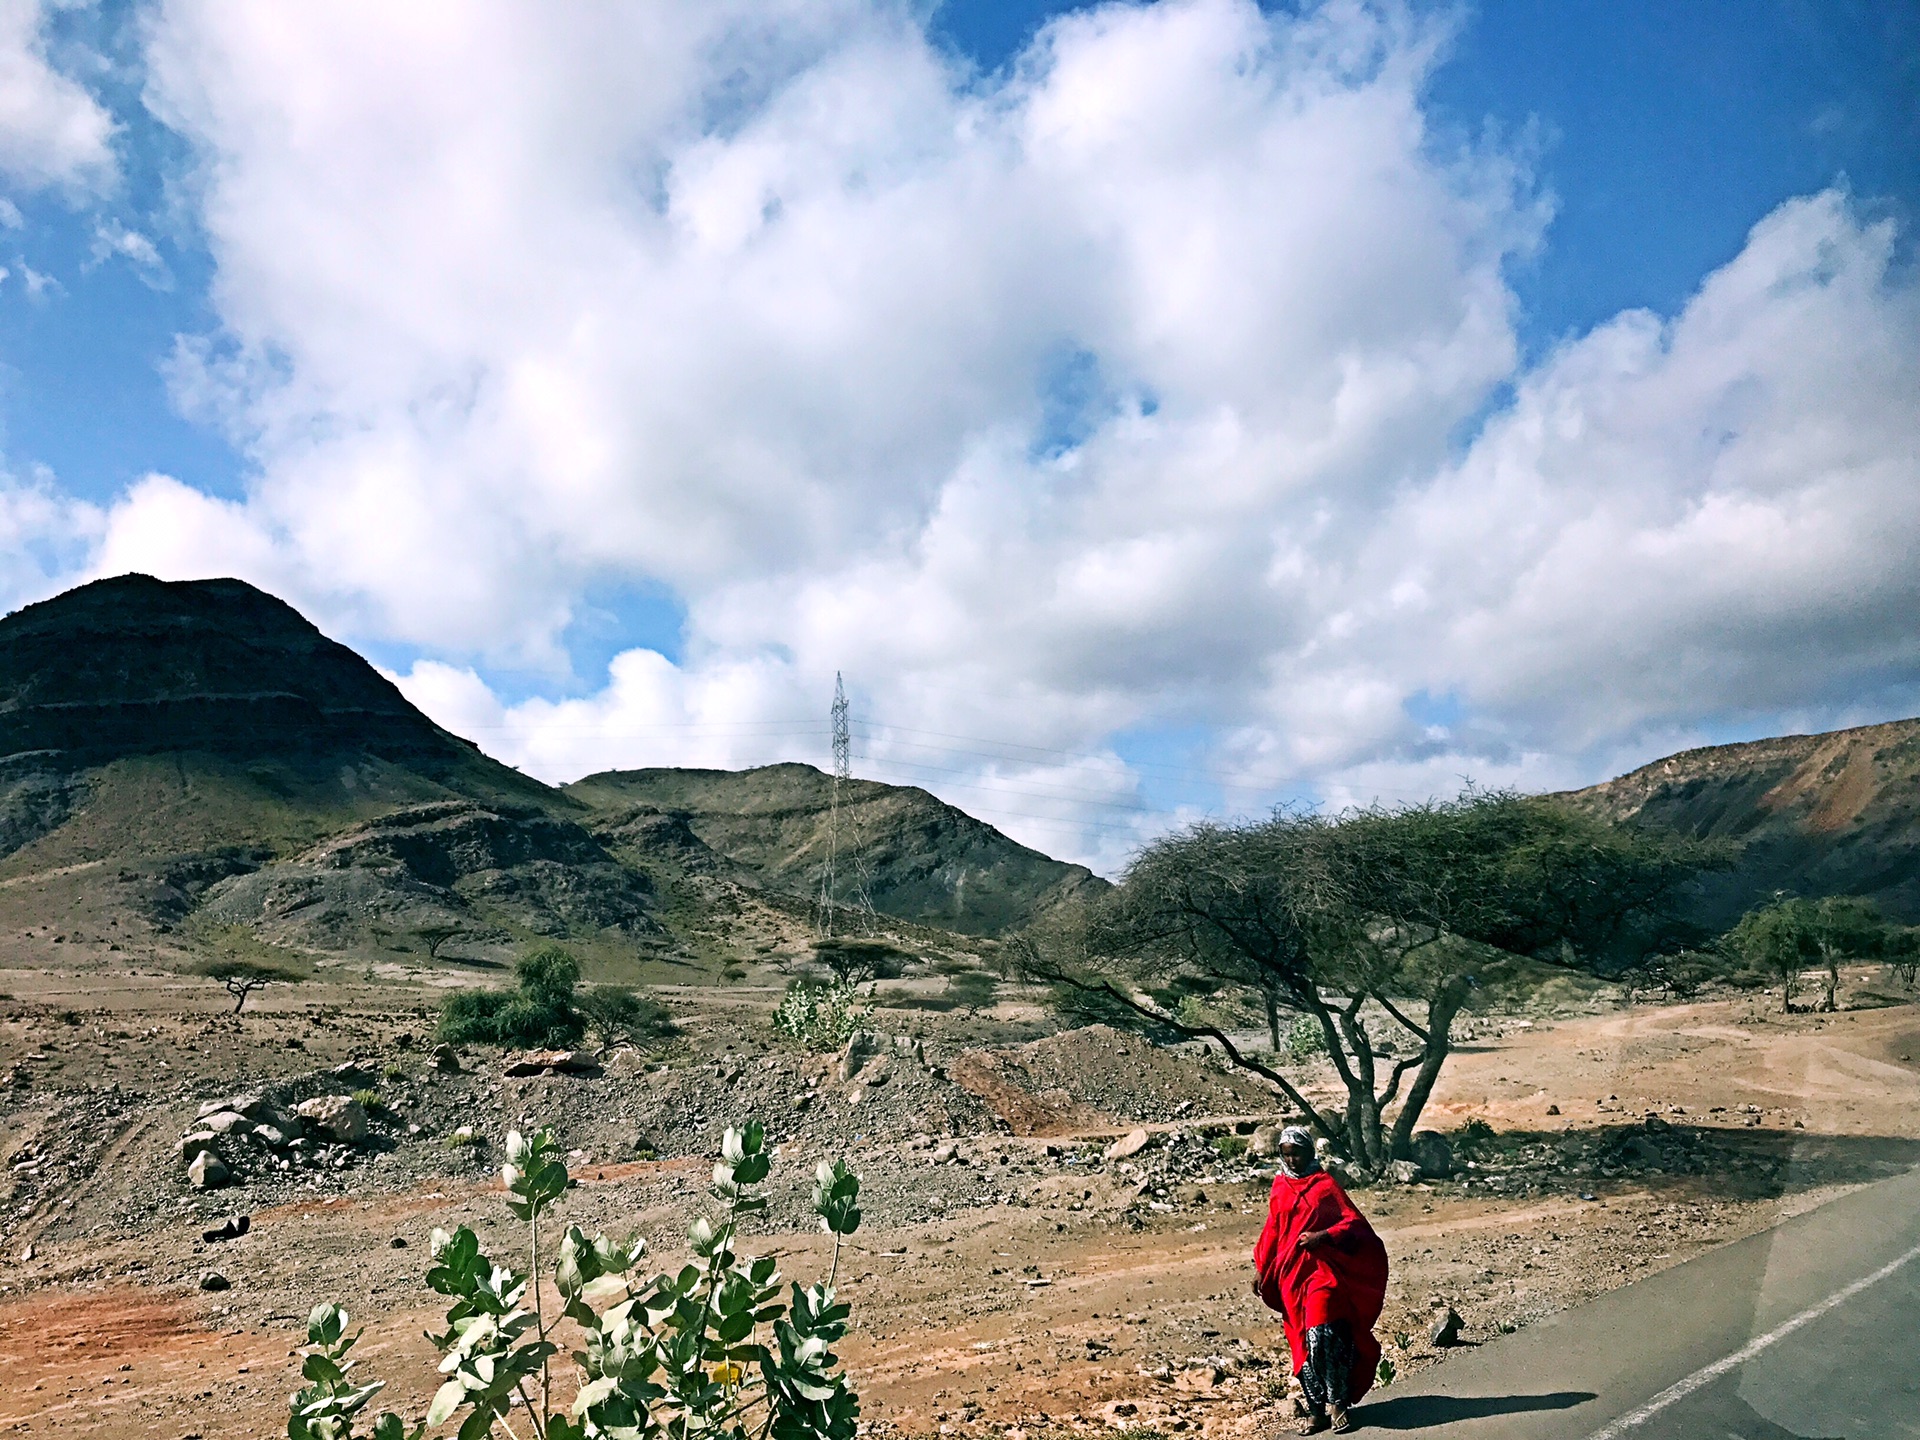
(539,1010)
(1387,1372)
(369,1100)
(820,1017)
(1229,1147)
(1305,1039)
(326,1408)
(394,1074)
(710,1350)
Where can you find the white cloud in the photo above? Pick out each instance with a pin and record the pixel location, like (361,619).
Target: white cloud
(52,132)
(45,535)
(1120,391)
(113,241)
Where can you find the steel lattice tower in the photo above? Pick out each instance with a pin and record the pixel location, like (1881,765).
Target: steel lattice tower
(842,770)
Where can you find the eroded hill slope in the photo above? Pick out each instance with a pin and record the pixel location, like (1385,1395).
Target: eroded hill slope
(920,858)
(1837,813)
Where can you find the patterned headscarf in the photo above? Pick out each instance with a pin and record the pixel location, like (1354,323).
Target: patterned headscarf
(1301,1136)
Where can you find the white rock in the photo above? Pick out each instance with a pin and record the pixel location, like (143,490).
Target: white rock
(208,1171)
(336,1117)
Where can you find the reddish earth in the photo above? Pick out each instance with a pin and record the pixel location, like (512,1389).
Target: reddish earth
(1051,1314)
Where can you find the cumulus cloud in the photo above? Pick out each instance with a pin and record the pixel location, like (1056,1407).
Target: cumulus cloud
(52,131)
(1119,392)
(45,535)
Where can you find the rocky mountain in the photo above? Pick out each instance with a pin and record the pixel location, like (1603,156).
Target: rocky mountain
(194,765)
(1837,813)
(915,856)
(181,763)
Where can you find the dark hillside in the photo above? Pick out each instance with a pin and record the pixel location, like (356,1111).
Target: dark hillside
(923,859)
(137,666)
(1828,814)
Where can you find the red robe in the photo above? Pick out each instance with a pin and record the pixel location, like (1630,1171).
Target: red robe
(1343,1279)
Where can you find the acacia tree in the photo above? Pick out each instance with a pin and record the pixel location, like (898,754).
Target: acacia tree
(1792,935)
(1394,917)
(856,961)
(240,978)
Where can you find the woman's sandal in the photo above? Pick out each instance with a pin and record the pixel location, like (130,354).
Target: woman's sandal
(1312,1425)
(1342,1421)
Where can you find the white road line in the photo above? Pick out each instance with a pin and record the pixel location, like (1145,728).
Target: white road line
(1707,1374)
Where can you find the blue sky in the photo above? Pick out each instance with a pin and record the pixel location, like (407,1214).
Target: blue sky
(873,479)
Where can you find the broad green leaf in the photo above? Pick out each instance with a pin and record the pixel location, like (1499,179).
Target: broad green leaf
(447,1399)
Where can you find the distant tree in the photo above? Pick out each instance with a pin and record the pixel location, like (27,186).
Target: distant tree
(1395,917)
(856,961)
(1791,935)
(972,990)
(615,1013)
(241,978)
(437,935)
(539,1010)
(1903,955)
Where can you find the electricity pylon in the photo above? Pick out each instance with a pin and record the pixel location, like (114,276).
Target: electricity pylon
(842,770)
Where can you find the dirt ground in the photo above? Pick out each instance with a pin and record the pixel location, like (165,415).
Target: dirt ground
(1010,1279)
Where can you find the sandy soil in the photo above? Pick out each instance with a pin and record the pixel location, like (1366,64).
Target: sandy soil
(1048,1294)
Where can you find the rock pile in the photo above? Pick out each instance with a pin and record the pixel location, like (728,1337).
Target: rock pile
(237,1134)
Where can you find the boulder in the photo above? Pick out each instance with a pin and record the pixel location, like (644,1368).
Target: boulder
(225,1122)
(1128,1145)
(862,1046)
(1433,1153)
(214,1280)
(1444,1333)
(354,1074)
(1404,1172)
(271,1136)
(196,1143)
(1265,1142)
(336,1117)
(208,1171)
(551,1062)
(445,1060)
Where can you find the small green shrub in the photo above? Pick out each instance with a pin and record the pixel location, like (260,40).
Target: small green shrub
(394,1074)
(1473,1139)
(819,1017)
(465,1139)
(1229,1147)
(1305,1039)
(615,1013)
(1387,1372)
(973,990)
(696,1353)
(369,1100)
(539,1011)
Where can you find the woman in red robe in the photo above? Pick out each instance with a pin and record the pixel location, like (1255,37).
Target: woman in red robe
(1320,1265)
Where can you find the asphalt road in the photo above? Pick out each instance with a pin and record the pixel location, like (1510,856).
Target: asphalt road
(1810,1331)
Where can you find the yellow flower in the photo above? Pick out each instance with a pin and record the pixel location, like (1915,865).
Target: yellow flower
(726,1373)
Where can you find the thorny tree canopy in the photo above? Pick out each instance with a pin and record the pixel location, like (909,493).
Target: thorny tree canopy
(1409,910)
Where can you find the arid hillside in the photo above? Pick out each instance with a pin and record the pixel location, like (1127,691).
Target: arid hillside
(1814,814)
(192,768)
(917,856)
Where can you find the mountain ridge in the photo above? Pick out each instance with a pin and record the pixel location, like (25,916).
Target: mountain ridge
(1837,812)
(195,762)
